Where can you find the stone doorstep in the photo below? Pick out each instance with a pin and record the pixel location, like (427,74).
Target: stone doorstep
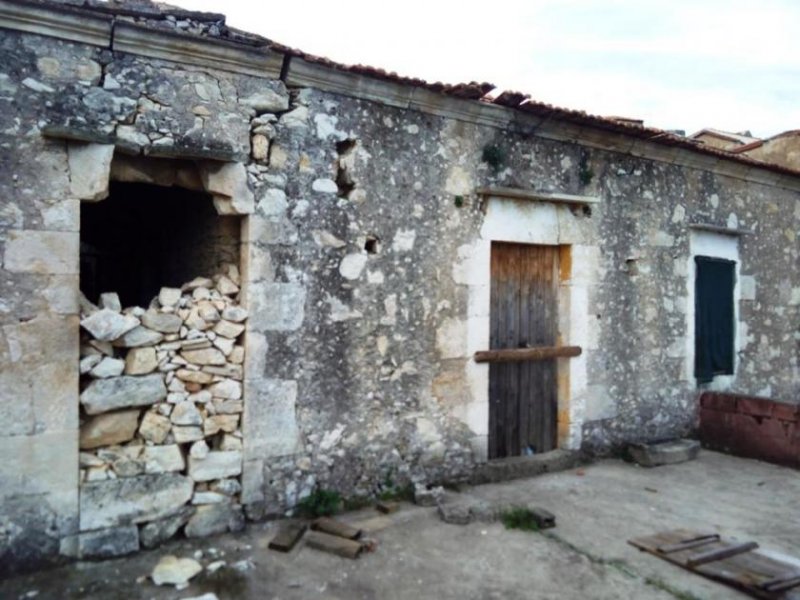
(518,467)
(664,453)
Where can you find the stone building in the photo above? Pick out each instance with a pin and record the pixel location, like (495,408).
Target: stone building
(723,140)
(781,149)
(288,267)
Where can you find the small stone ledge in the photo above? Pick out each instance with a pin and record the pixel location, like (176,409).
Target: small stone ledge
(56,21)
(517,467)
(664,453)
(720,229)
(76,134)
(177,151)
(520,194)
(194,50)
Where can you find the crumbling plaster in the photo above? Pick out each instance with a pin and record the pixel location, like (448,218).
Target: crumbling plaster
(358,372)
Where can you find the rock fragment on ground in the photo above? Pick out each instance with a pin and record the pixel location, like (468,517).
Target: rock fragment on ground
(172,570)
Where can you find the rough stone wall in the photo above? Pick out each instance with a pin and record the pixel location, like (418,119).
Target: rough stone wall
(50,89)
(354,361)
(38,315)
(387,317)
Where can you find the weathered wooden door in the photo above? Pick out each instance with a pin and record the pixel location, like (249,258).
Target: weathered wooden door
(523,398)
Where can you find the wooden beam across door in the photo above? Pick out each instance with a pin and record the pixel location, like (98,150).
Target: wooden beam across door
(522,354)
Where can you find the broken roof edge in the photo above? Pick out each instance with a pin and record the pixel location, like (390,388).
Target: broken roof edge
(739,138)
(257,56)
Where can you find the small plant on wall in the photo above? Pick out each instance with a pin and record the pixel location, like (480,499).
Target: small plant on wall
(585,173)
(494,156)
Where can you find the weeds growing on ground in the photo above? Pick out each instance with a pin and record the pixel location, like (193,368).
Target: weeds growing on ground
(519,518)
(320,503)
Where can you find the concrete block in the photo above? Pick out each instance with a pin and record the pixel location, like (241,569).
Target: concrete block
(758,407)
(718,402)
(664,453)
(456,513)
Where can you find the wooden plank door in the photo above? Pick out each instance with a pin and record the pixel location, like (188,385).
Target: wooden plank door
(523,399)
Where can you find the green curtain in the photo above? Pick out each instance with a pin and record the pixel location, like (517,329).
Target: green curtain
(714,322)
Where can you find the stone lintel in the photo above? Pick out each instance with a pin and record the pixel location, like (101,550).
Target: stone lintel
(194,50)
(186,152)
(719,229)
(520,194)
(52,20)
(76,134)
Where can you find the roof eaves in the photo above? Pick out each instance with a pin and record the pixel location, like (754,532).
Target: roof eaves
(472,92)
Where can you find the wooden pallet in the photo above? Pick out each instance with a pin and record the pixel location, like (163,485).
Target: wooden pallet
(738,564)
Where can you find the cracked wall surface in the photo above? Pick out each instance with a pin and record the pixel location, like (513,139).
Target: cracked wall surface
(362,231)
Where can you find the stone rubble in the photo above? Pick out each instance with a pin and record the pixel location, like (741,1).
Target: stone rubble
(172,570)
(162,400)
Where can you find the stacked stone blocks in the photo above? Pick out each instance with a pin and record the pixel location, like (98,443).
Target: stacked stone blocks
(161,405)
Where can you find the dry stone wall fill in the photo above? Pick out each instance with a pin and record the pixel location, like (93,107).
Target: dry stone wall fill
(161,408)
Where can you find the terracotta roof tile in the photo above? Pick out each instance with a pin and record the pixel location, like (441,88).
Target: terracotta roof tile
(149,11)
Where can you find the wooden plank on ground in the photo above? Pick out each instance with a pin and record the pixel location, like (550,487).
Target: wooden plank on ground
(373,524)
(387,506)
(747,570)
(288,535)
(544,518)
(783,582)
(337,528)
(701,540)
(695,560)
(333,544)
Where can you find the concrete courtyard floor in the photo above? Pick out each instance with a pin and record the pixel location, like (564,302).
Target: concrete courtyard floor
(598,508)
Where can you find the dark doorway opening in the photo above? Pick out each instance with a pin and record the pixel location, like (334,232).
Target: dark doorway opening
(144,237)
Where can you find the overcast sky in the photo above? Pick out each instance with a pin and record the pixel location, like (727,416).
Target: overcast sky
(677,64)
